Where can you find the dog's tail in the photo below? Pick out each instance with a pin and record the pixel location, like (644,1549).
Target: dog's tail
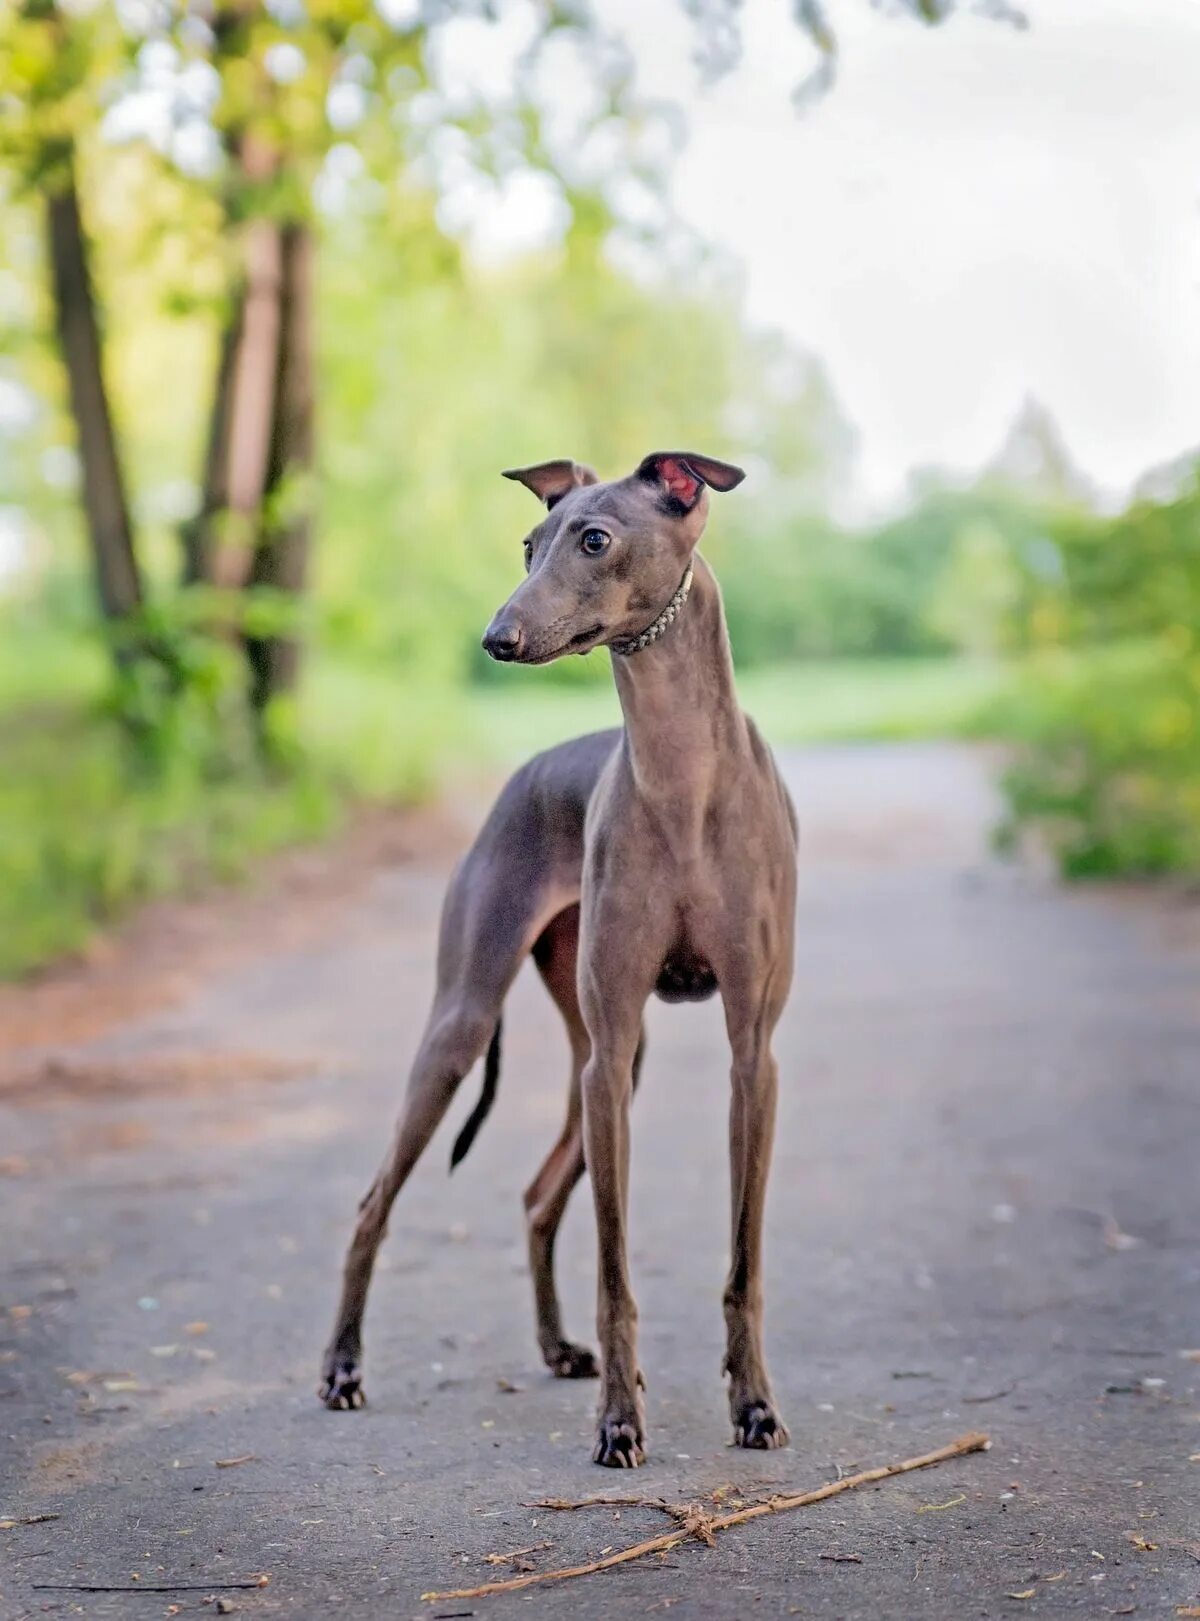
(487,1096)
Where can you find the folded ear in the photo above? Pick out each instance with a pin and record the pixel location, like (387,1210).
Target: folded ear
(550,481)
(681,475)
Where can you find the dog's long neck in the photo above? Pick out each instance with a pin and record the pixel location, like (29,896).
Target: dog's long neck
(683,726)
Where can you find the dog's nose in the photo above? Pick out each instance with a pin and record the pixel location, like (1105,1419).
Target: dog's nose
(503,639)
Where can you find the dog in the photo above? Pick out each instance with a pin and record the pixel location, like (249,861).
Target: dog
(655,858)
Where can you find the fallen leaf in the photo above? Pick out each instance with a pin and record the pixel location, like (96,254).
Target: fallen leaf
(28,1519)
(195,1328)
(1140,1543)
(232,1463)
(508,1388)
(1028,1593)
(1061,1577)
(842,1558)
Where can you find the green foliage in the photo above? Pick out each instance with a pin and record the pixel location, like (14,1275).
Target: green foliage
(939,578)
(56,74)
(819,701)
(110,795)
(1107,713)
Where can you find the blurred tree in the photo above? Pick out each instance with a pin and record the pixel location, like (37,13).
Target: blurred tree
(1034,459)
(718,24)
(258,104)
(258,95)
(51,68)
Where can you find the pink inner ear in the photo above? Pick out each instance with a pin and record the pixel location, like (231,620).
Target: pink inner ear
(680,481)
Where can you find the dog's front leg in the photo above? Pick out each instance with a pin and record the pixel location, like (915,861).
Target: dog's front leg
(607,1088)
(751,1018)
(618,963)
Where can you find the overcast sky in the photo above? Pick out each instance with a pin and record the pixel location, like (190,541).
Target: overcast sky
(974,214)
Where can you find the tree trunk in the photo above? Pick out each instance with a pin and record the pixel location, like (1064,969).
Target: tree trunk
(200,535)
(105,506)
(253,385)
(281,560)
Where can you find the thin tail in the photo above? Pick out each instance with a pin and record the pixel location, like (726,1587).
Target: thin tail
(491,1078)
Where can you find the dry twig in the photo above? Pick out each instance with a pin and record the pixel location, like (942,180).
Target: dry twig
(147,1587)
(517,1553)
(565,1503)
(704,1526)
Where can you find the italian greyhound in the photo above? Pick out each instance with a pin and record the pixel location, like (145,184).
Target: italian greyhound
(659,857)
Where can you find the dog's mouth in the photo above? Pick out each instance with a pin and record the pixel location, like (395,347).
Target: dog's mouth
(583,642)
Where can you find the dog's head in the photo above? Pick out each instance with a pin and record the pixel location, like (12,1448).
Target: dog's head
(607,558)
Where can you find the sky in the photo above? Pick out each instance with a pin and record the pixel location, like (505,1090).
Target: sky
(973,215)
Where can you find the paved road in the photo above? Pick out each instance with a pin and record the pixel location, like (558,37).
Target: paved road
(985,1212)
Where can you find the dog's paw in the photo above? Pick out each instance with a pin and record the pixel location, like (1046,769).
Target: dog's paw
(341,1386)
(758,1425)
(568,1361)
(619,1444)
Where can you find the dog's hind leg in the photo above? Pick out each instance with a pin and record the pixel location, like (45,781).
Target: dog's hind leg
(555,954)
(489,922)
(546,1196)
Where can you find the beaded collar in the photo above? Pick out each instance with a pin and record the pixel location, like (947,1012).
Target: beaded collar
(628,645)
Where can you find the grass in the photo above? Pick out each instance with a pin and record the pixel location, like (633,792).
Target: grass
(820,702)
(87,829)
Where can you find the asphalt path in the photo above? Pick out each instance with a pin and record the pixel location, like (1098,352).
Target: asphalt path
(984,1214)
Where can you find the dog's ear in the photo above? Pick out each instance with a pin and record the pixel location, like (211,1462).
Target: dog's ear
(681,475)
(550,481)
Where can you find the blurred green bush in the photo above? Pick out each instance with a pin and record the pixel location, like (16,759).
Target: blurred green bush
(1106,712)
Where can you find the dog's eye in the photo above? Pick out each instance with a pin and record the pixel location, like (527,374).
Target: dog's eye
(593,542)
(528,554)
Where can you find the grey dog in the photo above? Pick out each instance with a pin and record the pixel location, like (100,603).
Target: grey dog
(657,857)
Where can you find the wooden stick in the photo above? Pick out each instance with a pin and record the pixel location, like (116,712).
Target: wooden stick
(703,1527)
(567,1506)
(146,1587)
